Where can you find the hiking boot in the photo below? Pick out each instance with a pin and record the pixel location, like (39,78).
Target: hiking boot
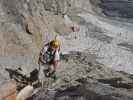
(54,77)
(47,74)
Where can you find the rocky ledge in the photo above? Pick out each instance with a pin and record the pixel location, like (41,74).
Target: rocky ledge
(81,77)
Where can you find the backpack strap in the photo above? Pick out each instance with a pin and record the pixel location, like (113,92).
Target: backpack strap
(40,59)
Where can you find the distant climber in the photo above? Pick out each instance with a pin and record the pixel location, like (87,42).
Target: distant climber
(49,59)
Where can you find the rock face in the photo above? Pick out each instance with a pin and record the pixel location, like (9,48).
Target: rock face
(81,77)
(114,8)
(25,17)
(25,25)
(117,8)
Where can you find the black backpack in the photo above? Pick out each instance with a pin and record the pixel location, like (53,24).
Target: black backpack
(48,56)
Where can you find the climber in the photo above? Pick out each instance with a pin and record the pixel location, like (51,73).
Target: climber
(49,58)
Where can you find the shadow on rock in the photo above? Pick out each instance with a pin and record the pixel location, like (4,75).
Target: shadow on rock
(22,79)
(117,83)
(80,93)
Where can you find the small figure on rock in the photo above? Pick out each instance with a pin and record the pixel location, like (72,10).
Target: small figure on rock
(49,59)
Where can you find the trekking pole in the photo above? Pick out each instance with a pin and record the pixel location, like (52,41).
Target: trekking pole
(39,68)
(39,72)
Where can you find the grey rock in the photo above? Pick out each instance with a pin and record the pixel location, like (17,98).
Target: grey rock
(96,87)
(117,8)
(81,76)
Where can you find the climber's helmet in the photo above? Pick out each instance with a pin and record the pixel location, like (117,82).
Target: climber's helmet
(55,43)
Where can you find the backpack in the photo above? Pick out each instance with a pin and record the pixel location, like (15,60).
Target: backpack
(47,57)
